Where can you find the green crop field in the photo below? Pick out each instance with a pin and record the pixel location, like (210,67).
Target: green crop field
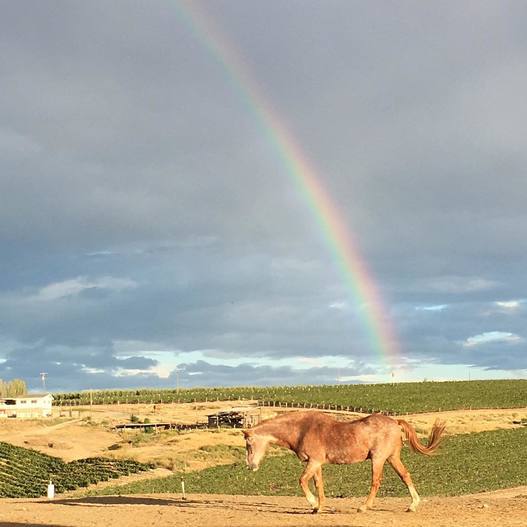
(398,398)
(25,473)
(465,464)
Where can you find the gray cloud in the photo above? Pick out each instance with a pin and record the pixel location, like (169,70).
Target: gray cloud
(205,374)
(143,200)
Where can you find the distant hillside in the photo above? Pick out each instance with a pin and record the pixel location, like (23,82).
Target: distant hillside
(25,473)
(411,397)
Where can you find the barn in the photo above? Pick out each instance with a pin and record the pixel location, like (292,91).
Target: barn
(29,406)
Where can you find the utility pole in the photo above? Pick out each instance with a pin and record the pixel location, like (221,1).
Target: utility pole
(177,380)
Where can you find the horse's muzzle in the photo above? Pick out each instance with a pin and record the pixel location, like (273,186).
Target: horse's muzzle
(252,466)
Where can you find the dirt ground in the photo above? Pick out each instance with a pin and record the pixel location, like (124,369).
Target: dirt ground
(90,432)
(503,508)
(86,432)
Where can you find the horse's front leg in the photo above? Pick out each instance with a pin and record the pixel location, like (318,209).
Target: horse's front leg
(310,471)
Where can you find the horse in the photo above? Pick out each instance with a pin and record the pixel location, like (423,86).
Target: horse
(318,438)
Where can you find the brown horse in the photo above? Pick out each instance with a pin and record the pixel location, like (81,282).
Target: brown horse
(318,438)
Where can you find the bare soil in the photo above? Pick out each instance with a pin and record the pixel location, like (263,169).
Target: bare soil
(504,509)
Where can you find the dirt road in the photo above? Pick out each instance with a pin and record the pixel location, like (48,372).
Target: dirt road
(503,508)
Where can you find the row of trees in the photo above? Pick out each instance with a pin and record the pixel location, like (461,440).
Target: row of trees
(14,388)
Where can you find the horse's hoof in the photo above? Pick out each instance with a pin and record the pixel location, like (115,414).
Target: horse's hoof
(409,509)
(315,511)
(362,508)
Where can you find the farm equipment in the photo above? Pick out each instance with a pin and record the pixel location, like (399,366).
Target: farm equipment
(242,418)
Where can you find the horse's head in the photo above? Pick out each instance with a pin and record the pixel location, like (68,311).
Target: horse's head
(256,447)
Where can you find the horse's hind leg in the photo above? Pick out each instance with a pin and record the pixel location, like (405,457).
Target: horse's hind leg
(376,478)
(397,464)
(319,484)
(311,471)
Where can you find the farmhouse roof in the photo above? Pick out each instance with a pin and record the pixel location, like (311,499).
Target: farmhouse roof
(39,395)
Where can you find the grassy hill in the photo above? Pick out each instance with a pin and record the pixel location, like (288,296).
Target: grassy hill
(465,464)
(26,473)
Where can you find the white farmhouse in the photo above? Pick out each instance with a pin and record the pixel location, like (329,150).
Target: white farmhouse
(29,406)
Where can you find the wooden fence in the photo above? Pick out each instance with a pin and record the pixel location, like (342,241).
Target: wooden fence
(326,406)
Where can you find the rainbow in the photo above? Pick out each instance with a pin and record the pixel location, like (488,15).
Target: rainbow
(302,171)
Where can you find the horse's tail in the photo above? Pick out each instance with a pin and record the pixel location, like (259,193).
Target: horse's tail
(434,439)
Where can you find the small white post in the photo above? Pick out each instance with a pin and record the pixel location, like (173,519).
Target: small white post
(183,488)
(51,490)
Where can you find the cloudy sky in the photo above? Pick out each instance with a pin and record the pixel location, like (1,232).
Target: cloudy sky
(149,222)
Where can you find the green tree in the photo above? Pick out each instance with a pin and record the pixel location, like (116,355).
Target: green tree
(13,388)
(17,387)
